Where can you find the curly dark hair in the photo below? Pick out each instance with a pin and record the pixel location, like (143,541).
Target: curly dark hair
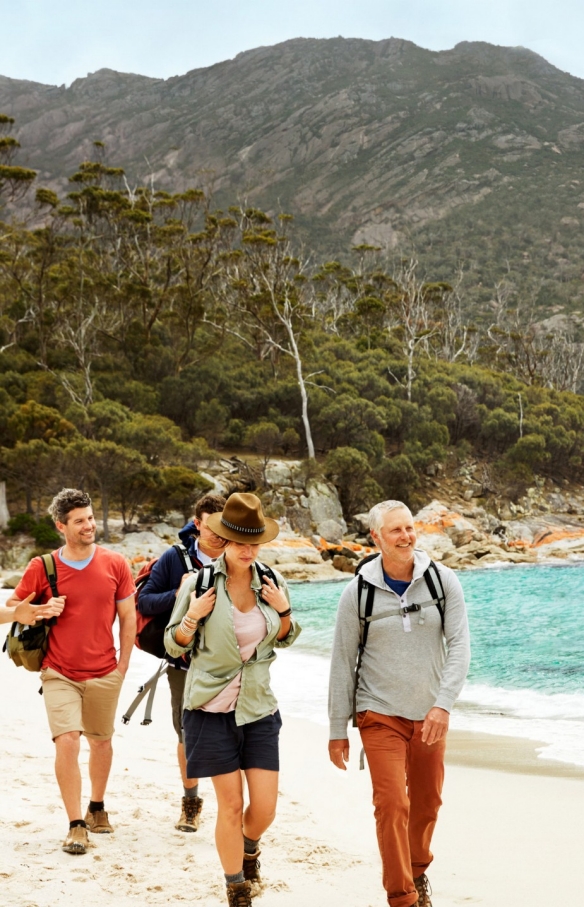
(67,500)
(209,503)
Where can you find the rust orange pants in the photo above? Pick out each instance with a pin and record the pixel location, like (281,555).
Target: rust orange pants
(407,778)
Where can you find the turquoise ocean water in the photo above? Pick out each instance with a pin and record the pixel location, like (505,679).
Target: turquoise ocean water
(527,671)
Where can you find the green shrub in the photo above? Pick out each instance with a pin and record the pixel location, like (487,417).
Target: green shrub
(21,522)
(45,534)
(42,531)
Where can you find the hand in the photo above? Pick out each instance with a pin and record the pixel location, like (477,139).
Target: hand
(123,668)
(273,596)
(184,578)
(339,753)
(26,613)
(435,725)
(201,607)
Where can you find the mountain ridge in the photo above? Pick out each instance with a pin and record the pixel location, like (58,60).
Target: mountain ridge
(471,154)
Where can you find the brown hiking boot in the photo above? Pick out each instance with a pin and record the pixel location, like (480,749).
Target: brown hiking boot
(239,894)
(251,871)
(77,840)
(424,891)
(98,822)
(190,814)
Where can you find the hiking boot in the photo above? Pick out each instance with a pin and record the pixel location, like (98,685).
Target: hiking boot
(239,894)
(77,840)
(190,814)
(251,871)
(424,891)
(98,822)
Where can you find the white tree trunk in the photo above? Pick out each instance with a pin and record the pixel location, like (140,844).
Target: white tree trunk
(4,514)
(303,393)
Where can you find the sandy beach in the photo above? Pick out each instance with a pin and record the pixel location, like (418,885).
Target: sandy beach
(510,830)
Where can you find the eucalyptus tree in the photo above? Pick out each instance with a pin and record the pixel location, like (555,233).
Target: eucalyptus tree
(14,180)
(263,295)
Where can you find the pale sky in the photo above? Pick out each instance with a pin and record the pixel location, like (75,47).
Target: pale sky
(57,41)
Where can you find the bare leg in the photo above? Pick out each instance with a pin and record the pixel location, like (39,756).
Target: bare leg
(228,831)
(100,763)
(182,764)
(263,796)
(68,773)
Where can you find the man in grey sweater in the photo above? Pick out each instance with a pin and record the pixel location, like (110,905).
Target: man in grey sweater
(407,685)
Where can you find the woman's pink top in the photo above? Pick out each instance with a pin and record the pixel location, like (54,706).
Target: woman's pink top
(250,628)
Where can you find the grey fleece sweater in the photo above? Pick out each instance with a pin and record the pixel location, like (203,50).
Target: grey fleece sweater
(406,668)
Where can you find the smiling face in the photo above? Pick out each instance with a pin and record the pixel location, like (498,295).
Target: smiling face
(79,530)
(396,539)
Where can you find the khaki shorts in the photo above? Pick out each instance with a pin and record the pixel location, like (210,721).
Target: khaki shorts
(88,706)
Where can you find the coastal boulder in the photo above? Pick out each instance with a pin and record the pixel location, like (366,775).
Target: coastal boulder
(361,522)
(325,510)
(284,472)
(344,564)
(331,531)
(435,524)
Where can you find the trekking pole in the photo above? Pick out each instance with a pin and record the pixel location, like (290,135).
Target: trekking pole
(147,689)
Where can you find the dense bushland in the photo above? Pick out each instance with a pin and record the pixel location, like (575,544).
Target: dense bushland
(139,329)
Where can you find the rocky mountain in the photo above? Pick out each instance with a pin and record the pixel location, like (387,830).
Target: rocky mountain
(470,156)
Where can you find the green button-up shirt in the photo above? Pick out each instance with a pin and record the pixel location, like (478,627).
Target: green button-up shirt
(217,659)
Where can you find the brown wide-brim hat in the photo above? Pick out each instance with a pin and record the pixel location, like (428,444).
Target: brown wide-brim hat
(243,520)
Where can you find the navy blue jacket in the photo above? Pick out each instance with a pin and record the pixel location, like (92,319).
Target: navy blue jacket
(158,595)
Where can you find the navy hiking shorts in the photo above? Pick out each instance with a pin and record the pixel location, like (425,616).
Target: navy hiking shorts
(215,745)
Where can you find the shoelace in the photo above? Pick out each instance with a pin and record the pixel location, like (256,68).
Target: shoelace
(191,808)
(239,898)
(424,890)
(251,869)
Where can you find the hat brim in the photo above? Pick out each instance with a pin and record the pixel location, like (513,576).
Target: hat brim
(271,531)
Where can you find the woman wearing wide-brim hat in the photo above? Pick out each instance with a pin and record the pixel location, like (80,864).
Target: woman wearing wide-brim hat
(231,719)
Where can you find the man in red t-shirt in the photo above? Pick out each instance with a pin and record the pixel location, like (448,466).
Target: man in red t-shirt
(81,675)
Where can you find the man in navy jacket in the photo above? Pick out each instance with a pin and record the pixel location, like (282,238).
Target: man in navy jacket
(158,597)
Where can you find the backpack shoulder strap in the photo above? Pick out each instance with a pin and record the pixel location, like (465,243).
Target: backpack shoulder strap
(366,560)
(51,572)
(188,561)
(264,570)
(204,581)
(364,616)
(205,578)
(364,620)
(435,588)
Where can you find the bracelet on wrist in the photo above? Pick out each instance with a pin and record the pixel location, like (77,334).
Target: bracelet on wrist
(188,627)
(285,613)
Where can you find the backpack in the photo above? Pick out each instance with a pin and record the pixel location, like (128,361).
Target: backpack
(150,627)
(433,582)
(27,646)
(205,579)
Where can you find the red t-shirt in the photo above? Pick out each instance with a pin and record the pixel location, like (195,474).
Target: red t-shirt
(81,643)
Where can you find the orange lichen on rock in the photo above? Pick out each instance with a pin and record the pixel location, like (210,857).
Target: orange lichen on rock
(550,536)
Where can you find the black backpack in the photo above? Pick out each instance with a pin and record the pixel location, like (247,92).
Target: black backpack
(206,578)
(435,588)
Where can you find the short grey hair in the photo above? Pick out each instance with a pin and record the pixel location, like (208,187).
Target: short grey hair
(67,500)
(377,513)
